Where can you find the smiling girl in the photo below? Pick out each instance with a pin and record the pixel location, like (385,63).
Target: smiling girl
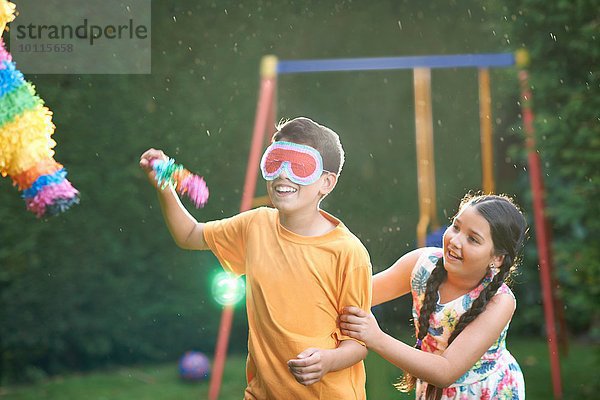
(462,307)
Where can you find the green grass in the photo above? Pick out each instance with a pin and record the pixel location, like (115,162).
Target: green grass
(161,382)
(148,382)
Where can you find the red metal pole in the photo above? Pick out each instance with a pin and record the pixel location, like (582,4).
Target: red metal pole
(220,353)
(267,89)
(263,111)
(541,229)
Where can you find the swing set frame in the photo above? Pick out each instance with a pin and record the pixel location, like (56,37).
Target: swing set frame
(422,66)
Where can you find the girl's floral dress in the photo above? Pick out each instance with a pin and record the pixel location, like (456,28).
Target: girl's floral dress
(496,376)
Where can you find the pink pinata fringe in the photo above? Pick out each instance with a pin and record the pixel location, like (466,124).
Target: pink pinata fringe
(182,180)
(195,188)
(4,55)
(48,195)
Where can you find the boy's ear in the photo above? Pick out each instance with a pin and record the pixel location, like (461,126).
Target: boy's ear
(329,181)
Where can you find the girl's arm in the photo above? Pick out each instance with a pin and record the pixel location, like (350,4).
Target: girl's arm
(185,230)
(439,370)
(395,281)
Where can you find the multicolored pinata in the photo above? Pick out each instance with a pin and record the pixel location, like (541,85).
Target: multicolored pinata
(26,145)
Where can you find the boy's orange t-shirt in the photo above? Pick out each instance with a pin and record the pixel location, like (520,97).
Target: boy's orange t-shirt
(296,287)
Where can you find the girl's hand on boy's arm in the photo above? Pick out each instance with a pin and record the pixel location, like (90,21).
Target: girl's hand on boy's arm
(438,369)
(358,324)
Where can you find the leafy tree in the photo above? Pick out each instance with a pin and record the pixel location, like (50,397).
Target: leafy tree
(563,39)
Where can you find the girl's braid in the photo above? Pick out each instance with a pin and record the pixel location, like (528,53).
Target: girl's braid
(407,383)
(433,392)
(431,297)
(478,306)
(484,297)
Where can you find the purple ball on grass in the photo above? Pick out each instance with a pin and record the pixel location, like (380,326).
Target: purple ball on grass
(194,366)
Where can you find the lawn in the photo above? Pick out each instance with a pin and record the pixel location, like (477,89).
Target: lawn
(148,382)
(160,382)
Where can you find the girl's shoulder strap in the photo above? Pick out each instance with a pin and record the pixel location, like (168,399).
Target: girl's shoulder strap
(429,258)
(423,268)
(505,289)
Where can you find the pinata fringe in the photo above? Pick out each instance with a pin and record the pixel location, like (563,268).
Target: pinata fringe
(26,144)
(26,140)
(168,173)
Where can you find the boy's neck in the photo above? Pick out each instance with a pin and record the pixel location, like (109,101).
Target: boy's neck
(306,224)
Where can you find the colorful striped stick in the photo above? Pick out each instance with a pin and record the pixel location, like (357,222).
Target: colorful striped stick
(183,181)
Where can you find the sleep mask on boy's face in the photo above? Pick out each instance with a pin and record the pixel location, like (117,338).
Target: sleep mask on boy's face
(302,164)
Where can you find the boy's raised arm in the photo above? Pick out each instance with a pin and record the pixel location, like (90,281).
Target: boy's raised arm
(187,232)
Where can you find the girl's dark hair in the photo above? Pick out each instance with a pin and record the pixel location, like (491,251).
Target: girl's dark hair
(508,230)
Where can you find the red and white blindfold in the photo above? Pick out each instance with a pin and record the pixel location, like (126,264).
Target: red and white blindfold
(302,164)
